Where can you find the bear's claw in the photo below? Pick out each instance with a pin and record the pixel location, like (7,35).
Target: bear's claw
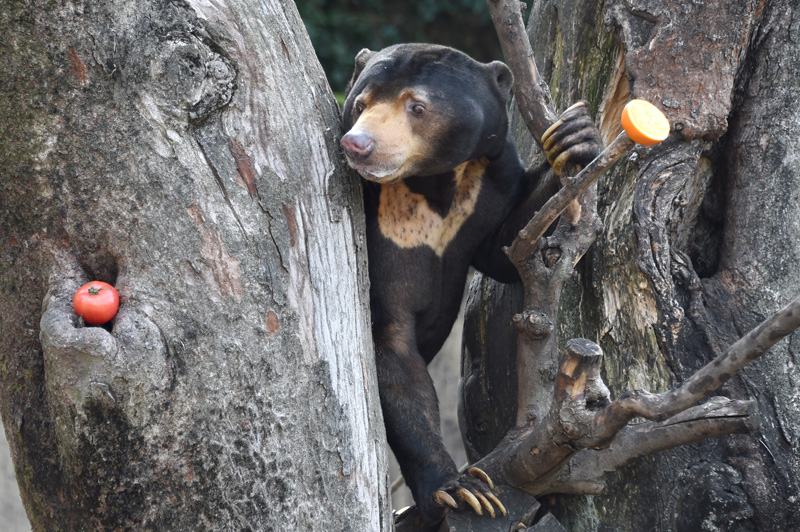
(443,498)
(481,474)
(470,499)
(496,502)
(473,495)
(485,503)
(572,138)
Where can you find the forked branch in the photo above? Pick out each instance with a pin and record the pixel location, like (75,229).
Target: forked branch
(582,418)
(579,434)
(526,240)
(708,379)
(587,470)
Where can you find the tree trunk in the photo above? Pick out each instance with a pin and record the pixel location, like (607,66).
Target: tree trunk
(186,152)
(699,246)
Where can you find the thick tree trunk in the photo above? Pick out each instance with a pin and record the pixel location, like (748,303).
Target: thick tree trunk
(699,246)
(187,153)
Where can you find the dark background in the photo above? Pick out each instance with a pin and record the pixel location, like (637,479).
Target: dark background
(340,28)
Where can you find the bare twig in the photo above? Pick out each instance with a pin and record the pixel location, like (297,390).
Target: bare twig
(586,472)
(700,385)
(530,90)
(527,238)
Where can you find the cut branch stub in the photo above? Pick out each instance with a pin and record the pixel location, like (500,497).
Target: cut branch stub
(576,386)
(533,324)
(580,362)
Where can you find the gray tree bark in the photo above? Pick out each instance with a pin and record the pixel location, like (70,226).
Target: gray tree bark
(187,153)
(699,246)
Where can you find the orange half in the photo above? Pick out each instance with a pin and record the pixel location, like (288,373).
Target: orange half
(644,122)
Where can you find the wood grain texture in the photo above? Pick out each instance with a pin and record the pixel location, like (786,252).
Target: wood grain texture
(193,162)
(683,268)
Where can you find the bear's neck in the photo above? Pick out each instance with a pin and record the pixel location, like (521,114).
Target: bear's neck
(447,191)
(440,190)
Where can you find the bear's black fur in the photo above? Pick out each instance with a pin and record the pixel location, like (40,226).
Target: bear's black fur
(427,126)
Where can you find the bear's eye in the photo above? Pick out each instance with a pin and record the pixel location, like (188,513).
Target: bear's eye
(418,109)
(359,107)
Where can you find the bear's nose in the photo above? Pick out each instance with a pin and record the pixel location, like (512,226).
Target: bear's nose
(357,144)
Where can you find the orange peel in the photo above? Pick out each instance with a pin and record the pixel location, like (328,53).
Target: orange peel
(644,123)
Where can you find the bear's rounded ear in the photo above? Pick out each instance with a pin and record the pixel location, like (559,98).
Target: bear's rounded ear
(362,58)
(502,76)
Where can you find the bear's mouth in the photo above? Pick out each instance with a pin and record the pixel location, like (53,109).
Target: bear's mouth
(376,173)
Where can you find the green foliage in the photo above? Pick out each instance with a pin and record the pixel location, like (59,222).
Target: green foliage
(340,28)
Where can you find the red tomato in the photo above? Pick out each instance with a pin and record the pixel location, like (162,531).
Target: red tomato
(97,302)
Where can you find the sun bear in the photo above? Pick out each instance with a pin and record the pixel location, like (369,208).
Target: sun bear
(427,127)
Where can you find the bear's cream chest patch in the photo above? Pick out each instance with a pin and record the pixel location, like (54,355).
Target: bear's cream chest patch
(405,218)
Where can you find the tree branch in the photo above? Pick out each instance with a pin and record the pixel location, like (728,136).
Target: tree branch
(535,460)
(700,385)
(585,473)
(530,90)
(522,247)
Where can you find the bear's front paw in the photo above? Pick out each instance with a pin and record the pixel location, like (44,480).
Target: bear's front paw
(472,488)
(573,139)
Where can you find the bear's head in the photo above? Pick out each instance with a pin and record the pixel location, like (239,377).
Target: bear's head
(422,109)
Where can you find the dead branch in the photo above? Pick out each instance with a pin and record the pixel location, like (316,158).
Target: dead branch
(708,379)
(530,90)
(719,416)
(523,245)
(535,460)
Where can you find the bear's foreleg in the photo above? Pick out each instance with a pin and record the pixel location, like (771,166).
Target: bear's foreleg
(411,415)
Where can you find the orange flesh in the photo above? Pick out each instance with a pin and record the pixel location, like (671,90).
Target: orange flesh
(644,123)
